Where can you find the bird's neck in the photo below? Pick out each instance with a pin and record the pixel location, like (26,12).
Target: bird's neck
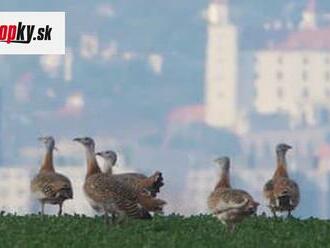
(224,182)
(108,166)
(47,163)
(281,170)
(92,165)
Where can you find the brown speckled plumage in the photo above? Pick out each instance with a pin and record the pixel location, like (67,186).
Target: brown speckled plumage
(230,205)
(48,186)
(281,192)
(150,185)
(108,193)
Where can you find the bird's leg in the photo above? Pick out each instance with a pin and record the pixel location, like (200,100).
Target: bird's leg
(106,218)
(231,227)
(274,213)
(42,208)
(60,209)
(113,218)
(121,217)
(289,214)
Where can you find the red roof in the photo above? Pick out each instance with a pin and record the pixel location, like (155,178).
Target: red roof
(313,39)
(324,151)
(187,114)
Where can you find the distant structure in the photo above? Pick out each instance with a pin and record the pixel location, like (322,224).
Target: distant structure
(291,77)
(221,67)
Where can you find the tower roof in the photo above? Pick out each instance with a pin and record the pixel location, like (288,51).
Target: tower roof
(311,6)
(225,2)
(309,20)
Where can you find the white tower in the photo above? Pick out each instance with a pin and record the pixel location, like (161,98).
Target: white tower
(308,20)
(221,68)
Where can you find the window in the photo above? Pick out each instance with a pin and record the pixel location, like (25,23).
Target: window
(279,76)
(304,76)
(280,60)
(327,76)
(327,60)
(305,93)
(280,93)
(305,60)
(327,93)
(256,76)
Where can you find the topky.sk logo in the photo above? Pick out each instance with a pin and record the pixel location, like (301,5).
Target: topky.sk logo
(32,32)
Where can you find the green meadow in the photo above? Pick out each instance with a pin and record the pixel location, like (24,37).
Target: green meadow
(162,231)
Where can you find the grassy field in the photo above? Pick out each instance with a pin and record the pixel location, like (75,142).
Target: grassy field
(169,231)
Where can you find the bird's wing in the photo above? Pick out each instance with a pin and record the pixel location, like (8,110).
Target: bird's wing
(141,182)
(268,189)
(131,174)
(51,185)
(105,189)
(224,200)
(287,187)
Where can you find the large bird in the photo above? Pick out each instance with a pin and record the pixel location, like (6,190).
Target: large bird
(107,194)
(150,184)
(281,192)
(48,186)
(230,205)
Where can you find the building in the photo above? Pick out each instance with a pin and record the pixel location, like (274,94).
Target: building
(221,67)
(293,76)
(290,77)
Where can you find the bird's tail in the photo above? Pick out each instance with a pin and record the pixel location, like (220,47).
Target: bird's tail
(153,183)
(150,203)
(144,214)
(158,182)
(284,199)
(65,193)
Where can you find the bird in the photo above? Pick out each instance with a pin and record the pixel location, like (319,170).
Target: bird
(230,205)
(150,184)
(107,194)
(48,186)
(281,192)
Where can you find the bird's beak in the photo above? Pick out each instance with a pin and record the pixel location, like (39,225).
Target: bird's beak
(289,147)
(98,154)
(41,138)
(77,139)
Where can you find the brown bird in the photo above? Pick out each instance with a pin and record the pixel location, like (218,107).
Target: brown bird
(107,194)
(229,205)
(281,192)
(139,181)
(48,186)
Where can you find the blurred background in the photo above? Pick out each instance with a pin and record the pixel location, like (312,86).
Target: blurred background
(171,85)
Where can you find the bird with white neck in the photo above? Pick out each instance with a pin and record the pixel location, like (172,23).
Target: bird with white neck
(151,184)
(107,194)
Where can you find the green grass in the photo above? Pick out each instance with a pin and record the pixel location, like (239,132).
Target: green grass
(169,231)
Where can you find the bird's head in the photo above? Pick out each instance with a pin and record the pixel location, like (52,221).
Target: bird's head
(87,142)
(224,162)
(282,148)
(48,141)
(109,156)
